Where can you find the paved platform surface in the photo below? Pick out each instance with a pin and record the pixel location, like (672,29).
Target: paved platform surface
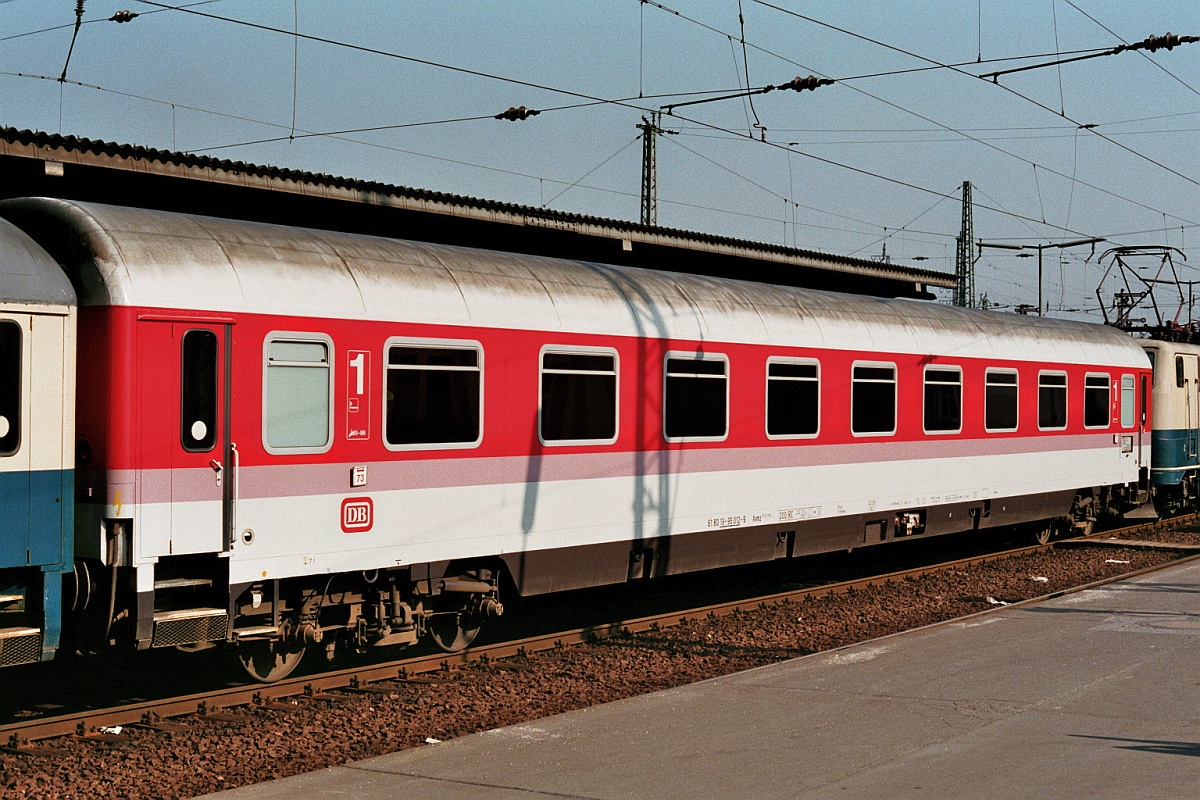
(1092,695)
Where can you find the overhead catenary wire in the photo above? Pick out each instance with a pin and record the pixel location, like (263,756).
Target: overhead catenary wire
(1113,33)
(529,84)
(866,172)
(930,120)
(961,71)
(500,170)
(113,18)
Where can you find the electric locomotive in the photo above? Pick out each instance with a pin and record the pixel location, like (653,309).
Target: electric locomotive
(1175,469)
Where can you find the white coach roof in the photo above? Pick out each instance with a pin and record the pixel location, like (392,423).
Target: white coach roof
(136,257)
(27,274)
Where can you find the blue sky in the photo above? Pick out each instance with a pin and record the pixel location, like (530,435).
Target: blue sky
(843,169)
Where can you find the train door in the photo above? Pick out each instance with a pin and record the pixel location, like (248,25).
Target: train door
(14,459)
(184,499)
(1191,386)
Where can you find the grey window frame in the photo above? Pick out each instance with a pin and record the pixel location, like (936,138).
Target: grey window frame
(691,355)
(925,382)
(1128,409)
(1066,393)
(573,350)
(1016,384)
(298,337)
(432,344)
(1108,399)
(895,382)
(807,362)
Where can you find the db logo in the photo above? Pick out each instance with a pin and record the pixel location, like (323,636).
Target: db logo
(358,514)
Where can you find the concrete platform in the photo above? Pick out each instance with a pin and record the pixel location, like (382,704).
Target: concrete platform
(1093,695)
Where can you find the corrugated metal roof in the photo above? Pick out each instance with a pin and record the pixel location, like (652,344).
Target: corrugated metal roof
(71,149)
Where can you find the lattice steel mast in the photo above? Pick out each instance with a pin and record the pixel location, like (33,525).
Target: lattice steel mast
(964,264)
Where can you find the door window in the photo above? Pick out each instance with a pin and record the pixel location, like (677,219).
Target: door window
(10,387)
(198,405)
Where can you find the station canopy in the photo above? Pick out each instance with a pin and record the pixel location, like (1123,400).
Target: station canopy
(34,164)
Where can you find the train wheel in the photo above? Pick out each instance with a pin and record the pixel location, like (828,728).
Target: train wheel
(269,660)
(453,631)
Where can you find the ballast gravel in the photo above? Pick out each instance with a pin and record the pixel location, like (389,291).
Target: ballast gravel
(243,746)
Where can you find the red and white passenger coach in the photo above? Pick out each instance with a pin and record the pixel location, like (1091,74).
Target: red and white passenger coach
(292,436)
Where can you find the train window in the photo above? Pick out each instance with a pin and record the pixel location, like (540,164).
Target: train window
(578,397)
(695,397)
(1000,401)
(873,400)
(1127,401)
(297,394)
(1052,401)
(10,387)
(1145,401)
(1095,401)
(943,400)
(793,399)
(434,393)
(198,402)
(1180,374)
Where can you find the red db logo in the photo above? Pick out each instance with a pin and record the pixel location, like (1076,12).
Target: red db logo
(358,514)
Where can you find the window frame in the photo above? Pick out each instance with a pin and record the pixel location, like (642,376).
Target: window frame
(304,337)
(1108,405)
(184,430)
(895,397)
(22,388)
(431,344)
(1016,384)
(767,398)
(581,350)
(925,398)
(1132,408)
(1066,389)
(692,355)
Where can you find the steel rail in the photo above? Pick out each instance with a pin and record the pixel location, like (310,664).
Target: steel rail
(215,704)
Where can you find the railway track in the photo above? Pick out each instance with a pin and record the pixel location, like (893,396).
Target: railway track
(26,736)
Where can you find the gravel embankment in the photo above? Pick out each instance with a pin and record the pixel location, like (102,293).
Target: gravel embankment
(208,755)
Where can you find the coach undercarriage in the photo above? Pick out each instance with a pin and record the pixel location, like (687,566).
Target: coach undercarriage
(271,624)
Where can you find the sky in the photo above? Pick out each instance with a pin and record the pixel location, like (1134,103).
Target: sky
(406,92)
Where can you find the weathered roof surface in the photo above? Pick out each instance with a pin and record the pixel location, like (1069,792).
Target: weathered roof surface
(27,274)
(167,260)
(72,152)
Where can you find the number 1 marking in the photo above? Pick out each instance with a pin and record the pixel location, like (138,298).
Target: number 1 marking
(356,364)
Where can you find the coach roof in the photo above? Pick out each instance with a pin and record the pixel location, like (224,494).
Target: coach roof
(27,274)
(157,259)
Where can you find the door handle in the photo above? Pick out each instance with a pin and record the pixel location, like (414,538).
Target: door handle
(217,468)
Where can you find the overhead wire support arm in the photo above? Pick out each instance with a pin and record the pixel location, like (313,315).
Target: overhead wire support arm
(1153,43)
(797,84)
(1041,248)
